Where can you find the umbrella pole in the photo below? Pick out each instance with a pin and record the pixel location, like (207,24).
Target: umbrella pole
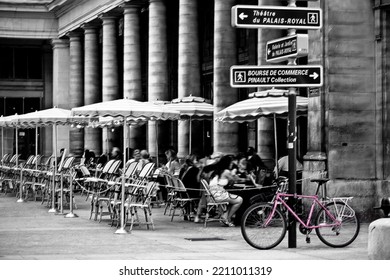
(61,194)
(71,214)
(190,140)
(122,229)
(276,148)
(21,169)
(2,143)
(36,147)
(157,159)
(107,152)
(53,204)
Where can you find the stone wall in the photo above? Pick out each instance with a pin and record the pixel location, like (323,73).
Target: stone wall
(348,107)
(350,91)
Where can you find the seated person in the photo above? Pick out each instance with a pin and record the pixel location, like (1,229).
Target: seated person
(145,157)
(172,166)
(102,160)
(136,156)
(255,164)
(221,178)
(283,167)
(242,175)
(189,175)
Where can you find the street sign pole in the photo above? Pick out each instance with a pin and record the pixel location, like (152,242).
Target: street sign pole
(292,140)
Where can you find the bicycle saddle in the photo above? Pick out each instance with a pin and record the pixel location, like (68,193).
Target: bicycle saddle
(319,180)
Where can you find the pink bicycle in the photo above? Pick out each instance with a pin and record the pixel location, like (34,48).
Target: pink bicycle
(264,225)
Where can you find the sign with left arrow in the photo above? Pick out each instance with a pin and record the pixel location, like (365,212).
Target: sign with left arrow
(276,76)
(283,48)
(247,16)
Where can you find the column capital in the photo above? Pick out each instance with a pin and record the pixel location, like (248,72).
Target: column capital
(110,16)
(156,1)
(134,3)
(60,43)
(90,26)
(75,35)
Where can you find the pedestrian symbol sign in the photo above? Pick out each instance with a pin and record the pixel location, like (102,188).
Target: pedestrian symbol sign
(312,18)
(240,77)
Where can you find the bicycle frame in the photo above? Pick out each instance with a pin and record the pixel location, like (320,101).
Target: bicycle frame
(279,199)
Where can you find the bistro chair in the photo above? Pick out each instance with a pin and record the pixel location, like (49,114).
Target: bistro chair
(132,187)
(212,206)
(181,198)
(141,200)
(102,188)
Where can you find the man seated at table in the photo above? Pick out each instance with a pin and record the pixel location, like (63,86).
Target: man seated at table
(283,166)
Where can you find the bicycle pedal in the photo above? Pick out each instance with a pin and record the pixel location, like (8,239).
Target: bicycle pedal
(308,240)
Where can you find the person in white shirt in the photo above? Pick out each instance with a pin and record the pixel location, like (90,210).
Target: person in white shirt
(283,166)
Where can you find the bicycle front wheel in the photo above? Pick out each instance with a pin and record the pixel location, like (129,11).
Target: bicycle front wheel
(256,232)
(337,236)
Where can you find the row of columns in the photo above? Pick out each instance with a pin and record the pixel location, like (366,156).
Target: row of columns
(84,70)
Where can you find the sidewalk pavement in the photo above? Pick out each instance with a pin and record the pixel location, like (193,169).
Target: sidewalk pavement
(29,232)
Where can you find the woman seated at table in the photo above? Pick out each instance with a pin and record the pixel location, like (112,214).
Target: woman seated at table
(221,178)
(172,166)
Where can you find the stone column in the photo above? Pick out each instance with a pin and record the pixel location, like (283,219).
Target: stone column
(110,78)
(189,71)
(157,71)
(45,139)
(61,86)
(92,83)
(265,131)
(76,89)
(225,55)
(132,81)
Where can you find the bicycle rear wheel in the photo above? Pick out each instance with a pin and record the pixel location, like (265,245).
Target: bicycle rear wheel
(257,234)
(337,236)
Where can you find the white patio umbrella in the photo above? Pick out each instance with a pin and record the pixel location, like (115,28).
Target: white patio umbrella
(111,122)
(268,103)
(7,122)
(53,116)
(4,122)
(192,108)
(126,109)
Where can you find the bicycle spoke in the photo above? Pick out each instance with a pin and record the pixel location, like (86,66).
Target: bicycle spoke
(337,235)
(260,230)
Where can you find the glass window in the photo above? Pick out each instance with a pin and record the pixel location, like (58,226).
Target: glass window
(13,106)
(21,63)
(6,63)
(34,64)
(2,113)
(32,105)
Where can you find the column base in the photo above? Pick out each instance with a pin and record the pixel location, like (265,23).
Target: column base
(71,215)
(121,231)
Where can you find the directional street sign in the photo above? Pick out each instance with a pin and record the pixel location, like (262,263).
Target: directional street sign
(246,16)
(276,76)
(286,47)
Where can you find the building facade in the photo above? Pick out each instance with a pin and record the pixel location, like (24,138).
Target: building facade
(69,53)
